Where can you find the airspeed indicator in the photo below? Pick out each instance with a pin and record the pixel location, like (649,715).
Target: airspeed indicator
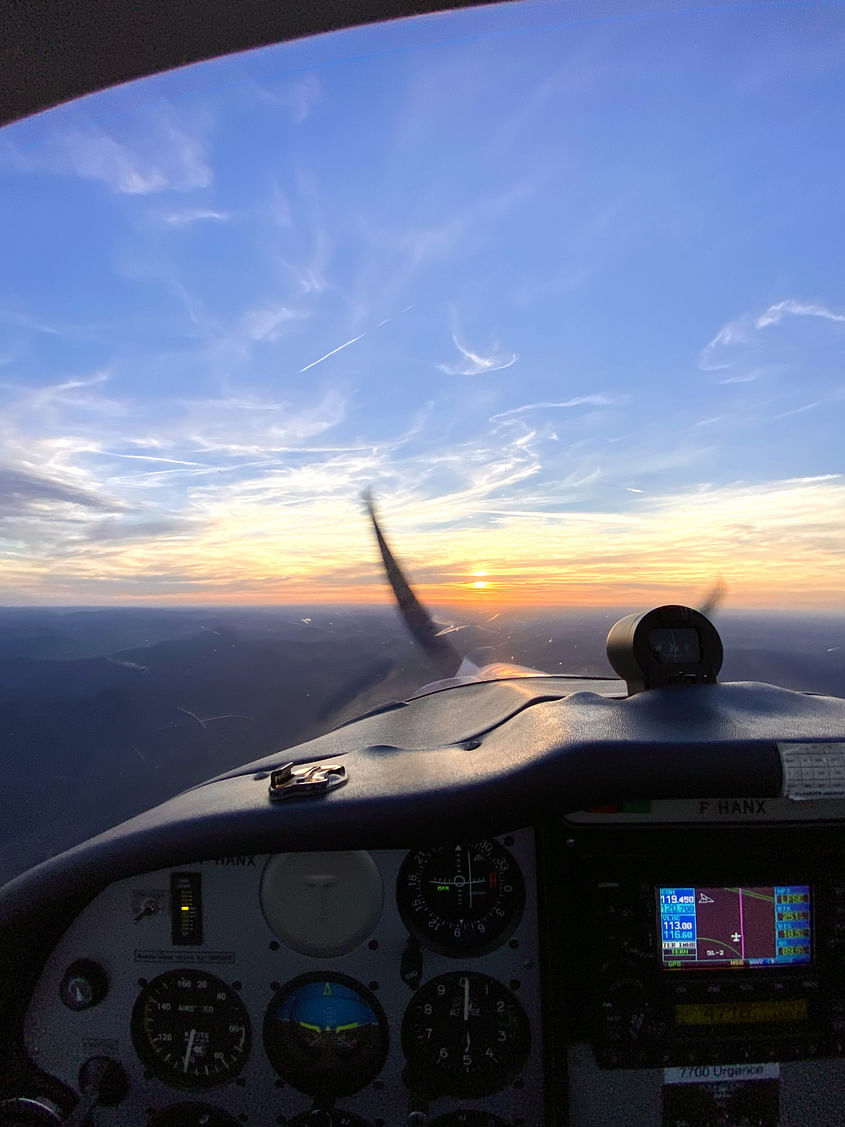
(190,1029)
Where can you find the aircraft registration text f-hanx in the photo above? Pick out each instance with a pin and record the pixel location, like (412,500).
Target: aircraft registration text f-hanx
(735,927)
(732,805)
(666,811)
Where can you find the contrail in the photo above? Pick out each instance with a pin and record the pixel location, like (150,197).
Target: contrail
(347,343)
(339,348)
(150,458)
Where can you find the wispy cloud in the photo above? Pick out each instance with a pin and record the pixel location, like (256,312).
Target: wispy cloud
(783,363)
(309,279)
(298,97)
(795,411)
(68,395)
(735,332)
(23,489)
(266,324)
(720,352)
(301,97)
(598,399)
(187,216)
(27,321)
(745,377)
(255,428)
(162,155)
(56,486)
(775,313)
(476,363)
(130,528)
(97,156)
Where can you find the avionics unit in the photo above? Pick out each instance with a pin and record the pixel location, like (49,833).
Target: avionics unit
(694,948)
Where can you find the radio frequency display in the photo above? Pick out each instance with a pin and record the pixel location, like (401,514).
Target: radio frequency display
(735,927)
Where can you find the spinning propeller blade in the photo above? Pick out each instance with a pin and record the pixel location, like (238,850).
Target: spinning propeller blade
(419,622)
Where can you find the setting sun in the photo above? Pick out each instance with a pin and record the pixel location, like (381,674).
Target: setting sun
(480,580)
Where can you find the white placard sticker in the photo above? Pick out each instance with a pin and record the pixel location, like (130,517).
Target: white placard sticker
(719,1073)
(813,770)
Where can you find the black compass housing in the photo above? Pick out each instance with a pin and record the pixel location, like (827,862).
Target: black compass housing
(671,645)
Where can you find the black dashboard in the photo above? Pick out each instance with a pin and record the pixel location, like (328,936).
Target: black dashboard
(524,905)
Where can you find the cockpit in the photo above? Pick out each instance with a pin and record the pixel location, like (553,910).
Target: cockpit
(552,281)
(509,902)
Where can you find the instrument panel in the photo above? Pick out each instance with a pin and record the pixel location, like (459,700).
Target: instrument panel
(263,989)
(688,970)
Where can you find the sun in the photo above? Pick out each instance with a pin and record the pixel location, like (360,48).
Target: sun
(480,582)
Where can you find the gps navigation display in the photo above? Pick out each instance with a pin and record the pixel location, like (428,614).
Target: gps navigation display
(735,927)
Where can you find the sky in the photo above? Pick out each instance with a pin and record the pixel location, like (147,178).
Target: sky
(561,282)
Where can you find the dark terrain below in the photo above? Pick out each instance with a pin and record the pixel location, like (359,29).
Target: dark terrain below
(106,712)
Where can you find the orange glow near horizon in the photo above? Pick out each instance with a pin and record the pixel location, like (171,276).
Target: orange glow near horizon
(541,585)
(634,597)
(775,545)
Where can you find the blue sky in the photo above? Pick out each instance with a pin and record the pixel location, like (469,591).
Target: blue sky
(561,282)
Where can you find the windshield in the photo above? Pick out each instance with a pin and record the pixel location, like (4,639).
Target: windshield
(561,283)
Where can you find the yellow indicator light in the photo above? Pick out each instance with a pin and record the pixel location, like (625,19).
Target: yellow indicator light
(186,908)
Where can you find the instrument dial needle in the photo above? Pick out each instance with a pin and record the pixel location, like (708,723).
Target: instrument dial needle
(187,1059)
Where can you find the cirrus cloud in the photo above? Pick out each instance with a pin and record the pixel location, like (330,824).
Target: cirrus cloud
(474,363)
(158,155)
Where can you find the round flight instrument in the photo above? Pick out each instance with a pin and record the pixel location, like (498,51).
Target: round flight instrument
(191,1115)
(464,1034)
(461,900)
(190,1029)
(325,1034)
(322,904)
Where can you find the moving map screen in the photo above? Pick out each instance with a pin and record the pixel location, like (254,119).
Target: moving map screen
(754,926)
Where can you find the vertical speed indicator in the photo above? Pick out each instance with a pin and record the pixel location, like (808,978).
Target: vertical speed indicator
(463,899)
